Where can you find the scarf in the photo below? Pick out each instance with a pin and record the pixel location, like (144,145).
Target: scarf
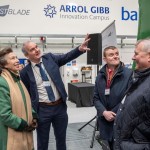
(19,140)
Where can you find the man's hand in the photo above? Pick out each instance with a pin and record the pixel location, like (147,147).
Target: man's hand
(34,123)
(109,115)
(29,129)
(84,46)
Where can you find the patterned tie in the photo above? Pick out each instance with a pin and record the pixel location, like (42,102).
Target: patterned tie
(44,77)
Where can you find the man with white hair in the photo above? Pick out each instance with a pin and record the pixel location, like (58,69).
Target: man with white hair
(132,123)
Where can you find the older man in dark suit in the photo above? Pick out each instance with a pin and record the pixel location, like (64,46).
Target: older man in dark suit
(132,124)
(43,80)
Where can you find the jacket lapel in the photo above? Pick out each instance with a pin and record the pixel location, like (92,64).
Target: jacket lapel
(30,73)
(50,67)
(47,64)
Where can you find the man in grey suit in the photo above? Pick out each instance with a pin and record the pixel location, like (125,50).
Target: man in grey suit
(48,96)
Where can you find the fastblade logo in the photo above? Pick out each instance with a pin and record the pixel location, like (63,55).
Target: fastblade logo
(3,10)
(50,11)
(6,10)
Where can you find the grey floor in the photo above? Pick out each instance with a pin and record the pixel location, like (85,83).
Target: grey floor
(77,140)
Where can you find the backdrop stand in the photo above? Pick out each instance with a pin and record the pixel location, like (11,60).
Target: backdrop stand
(94,131)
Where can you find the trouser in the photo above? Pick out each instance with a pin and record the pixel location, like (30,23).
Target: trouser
(57,116)
(107,145)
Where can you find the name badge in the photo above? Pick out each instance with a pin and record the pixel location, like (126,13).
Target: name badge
(107,91)
(46,83)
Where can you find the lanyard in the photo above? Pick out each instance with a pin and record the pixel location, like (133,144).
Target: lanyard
(109,77)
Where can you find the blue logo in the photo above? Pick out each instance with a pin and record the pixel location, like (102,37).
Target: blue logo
(77,12)
(50,11)
(128,15)
(3,10)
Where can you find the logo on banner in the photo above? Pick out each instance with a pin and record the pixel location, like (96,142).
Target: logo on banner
(129,15)
(78,12)
(4,10)
(50,11)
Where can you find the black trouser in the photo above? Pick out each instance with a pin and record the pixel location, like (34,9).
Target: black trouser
(107,145)
(111,145)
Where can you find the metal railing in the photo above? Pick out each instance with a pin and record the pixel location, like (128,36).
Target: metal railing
(56,39)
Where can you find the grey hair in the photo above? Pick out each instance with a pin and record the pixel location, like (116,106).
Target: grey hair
(24,47)
(146,44)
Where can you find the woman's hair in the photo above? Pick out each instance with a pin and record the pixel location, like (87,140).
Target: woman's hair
(3,52)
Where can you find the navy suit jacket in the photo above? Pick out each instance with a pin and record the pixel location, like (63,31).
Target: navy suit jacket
(52,63)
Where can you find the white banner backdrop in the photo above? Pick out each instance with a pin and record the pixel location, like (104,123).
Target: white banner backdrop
(67,16)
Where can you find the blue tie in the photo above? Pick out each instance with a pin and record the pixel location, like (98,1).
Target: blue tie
(44,77)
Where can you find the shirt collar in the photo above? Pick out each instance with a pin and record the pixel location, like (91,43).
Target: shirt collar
(34,64)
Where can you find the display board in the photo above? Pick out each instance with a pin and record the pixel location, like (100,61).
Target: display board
(99,41)
(67,16)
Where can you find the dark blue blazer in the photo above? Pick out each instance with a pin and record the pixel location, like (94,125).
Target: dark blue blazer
(52,63)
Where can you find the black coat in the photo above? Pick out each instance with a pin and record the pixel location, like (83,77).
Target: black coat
(132,124)
(102,102)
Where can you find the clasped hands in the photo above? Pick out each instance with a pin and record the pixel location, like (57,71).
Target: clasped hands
(32,126)
(109,115)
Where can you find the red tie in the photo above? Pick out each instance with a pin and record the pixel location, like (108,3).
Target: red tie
(109,74)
